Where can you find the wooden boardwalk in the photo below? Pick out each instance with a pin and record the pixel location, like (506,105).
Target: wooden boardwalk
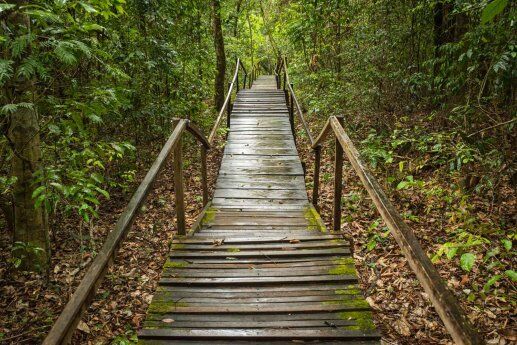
(262,268)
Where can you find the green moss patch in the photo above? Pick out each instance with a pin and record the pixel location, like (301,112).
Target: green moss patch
(164,307)
(363,320)
(314,219)
(175,264)
(344,266)
(349,303)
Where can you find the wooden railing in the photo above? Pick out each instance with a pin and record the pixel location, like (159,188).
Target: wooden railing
(67,321)
(442,299)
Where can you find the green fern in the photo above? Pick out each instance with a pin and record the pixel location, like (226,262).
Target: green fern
(6,70)
(20,44)
(65,53)
(31,67)
(12,107)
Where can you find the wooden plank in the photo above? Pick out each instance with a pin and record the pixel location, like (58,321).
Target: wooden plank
(198,239)
(260,194)
(247,219)
(231,292)
(228,296)
(225,170)
(244,342)
(259,202)
(247,324)
(251,334)
(267,289)
(267,246)
(260,151)
(254,272)
(318,307)
(267,254)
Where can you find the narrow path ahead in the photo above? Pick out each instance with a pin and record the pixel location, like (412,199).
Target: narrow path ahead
(262,268)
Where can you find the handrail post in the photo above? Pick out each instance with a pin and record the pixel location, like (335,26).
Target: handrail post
(204,177)
(244,82)
(316,179)
(291,113)
(285,80)
(178,187)
(228,110)
(237,81)
(338,181)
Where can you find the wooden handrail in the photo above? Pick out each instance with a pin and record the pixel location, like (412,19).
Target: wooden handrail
(227,101)
(288,87)
(442,299)
(63,328)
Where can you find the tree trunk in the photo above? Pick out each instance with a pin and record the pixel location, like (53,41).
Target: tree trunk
(219,53)
(30,225)
(236,19)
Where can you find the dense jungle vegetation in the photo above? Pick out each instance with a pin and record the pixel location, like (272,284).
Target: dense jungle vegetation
(89,89)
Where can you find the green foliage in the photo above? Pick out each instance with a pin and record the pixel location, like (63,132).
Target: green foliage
(105,77)
(492,9)
(24,252)
(467,261)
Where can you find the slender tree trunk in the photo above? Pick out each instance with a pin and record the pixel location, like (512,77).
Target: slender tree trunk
(219,53)
(30,224)
(236,19)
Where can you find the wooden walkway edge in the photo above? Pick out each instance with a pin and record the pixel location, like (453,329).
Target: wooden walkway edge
(262,268)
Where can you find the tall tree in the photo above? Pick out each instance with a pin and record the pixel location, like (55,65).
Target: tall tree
(219,53)
(30,226)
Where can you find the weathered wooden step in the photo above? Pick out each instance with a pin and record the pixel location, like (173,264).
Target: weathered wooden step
(252,334)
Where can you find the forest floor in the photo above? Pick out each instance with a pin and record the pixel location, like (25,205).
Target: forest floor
(401,308)
(29,307)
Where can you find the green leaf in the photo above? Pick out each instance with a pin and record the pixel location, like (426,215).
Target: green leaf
(511,274)
(38,191)
(5,7)
(93,27)
(451,253)
(493,9)
(88,7)
(507,244)
(491,282)
(467,261)
(402,185)
(6,70)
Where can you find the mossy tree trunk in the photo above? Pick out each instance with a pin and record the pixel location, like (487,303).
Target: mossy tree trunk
(30,226)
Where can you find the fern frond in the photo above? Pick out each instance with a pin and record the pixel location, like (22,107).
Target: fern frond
(12,107)
(20,43)
(64,52)
(6,70)
(82,47)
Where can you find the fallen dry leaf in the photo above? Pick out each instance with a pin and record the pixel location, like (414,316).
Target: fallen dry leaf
(218,242)
(83,327)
